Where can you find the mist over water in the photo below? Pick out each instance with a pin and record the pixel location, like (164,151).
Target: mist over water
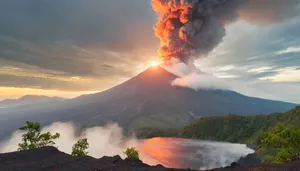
(170,152)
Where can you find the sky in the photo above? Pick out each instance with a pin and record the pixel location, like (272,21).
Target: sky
(68,48)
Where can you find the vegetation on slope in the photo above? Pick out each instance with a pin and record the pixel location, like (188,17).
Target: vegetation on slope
(145,133)
(277,135)
(281,144)
(238,129)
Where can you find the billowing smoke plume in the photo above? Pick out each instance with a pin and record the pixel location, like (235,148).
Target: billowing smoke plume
(188,29)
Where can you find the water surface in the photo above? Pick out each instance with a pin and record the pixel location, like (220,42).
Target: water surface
(187,153)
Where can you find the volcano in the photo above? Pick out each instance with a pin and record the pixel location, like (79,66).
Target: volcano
(146,100)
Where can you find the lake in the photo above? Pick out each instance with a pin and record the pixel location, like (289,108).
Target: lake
(187,153)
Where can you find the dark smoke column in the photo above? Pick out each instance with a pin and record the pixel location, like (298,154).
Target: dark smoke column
(188,29)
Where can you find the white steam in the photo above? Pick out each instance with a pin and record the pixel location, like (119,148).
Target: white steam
(103,141)
(190,76)
(201,81)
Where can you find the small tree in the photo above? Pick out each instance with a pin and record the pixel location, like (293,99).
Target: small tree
(283,142)
(132,153)
(33,138)
(80,147)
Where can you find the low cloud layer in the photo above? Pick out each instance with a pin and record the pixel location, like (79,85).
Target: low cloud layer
(103,141)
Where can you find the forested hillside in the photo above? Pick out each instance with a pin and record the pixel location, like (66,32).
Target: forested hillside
(234,128)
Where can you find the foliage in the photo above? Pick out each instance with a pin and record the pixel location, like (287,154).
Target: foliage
(80,148)
(156,132)
(241,129)
(33,138)
(132,153)
(283,142)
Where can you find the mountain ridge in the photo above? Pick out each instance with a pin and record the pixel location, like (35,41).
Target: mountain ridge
(28,100)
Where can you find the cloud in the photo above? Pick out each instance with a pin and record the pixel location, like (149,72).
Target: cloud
(260,69)
(289,50)
(269,11)
(94,40)
(226,68)
(283,91)
(117,25)
(289,74)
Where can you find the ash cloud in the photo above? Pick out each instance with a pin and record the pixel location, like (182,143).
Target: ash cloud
(269,11)
(189,29)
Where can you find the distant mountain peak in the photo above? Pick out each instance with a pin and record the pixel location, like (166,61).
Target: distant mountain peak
(28,99)
(32,97)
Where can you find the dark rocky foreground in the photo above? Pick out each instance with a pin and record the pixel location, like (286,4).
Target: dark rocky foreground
(50,159)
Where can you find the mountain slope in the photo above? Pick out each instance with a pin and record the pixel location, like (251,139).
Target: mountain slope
(149,100)
(234,128)
(146,100)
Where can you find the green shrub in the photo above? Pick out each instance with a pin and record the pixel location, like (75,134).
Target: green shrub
(33,138)
(131,153)
(283,142)
(80,147)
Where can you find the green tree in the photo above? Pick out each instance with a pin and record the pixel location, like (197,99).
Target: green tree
(33,138)
(80,147)
(132,153)
(283,142)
